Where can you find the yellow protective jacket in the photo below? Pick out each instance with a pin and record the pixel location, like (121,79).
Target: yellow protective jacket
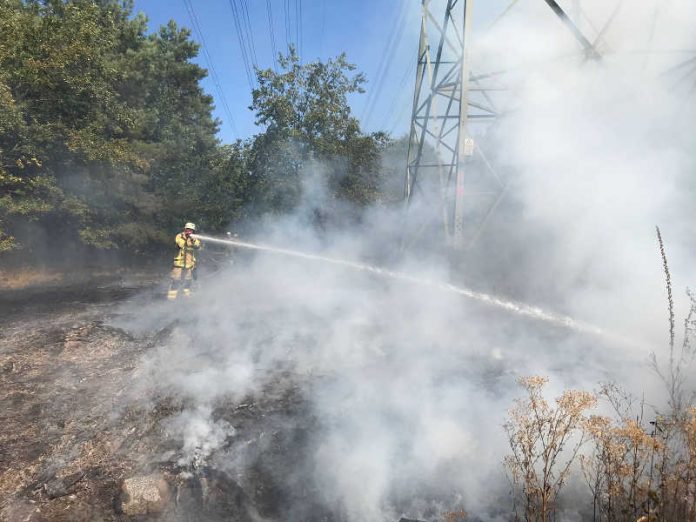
(186,258)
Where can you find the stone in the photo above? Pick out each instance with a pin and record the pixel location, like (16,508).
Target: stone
(144,495)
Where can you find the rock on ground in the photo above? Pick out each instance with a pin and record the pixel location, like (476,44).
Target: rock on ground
(144,495)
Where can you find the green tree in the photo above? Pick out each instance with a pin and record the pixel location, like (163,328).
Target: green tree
(305,110)
(105,131)
(107,138)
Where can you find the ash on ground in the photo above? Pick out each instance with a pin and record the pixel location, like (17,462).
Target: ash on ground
(73,448)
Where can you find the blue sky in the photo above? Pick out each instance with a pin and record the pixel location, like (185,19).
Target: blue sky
(361,28)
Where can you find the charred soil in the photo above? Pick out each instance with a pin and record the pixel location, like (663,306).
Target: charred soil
(70,435)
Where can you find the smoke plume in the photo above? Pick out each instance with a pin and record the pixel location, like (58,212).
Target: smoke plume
(405,387)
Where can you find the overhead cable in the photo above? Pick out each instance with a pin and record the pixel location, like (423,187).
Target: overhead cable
(286,15)
(211,67)
(385,63)
(271,30)
(300,36)
(238,24)
(249,32)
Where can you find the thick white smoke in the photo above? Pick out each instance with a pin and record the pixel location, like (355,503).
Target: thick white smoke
(604,154)
(409,385)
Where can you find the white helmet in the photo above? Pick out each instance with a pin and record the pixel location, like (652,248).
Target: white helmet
(191,226)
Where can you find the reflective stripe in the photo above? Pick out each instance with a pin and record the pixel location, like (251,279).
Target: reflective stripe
(171,295)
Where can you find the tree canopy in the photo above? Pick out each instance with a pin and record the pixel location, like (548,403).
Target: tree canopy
(309,124)
(107,138)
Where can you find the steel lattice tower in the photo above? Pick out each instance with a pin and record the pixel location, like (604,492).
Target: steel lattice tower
(448,101)
(440,144)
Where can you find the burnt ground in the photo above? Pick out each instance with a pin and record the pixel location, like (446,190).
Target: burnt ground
(68,439)
(75,423)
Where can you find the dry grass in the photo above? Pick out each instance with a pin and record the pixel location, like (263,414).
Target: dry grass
(620,468)
(27,277)
(637,469)
(545,439)
(639,472)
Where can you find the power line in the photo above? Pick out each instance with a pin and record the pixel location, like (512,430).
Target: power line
(249,33)
(269,14)
(385,63)
(213,73)
(240,40)
(297,29)
(238,24)
(398,22)
(323,23)
(286,13)
(300,38)
(394,117)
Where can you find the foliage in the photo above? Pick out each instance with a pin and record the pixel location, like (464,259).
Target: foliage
(308,121)
(545,440)
(642,474)
(309,102)
(94,112)
(636,470)
(673,376)
(619,469)
(652,475)
(107,138)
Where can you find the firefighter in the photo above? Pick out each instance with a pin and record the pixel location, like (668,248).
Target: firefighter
(184,262)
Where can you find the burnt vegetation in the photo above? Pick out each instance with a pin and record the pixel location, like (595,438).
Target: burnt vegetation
(107,144)
(639,464)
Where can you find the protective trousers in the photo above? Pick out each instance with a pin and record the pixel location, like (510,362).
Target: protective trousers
(181,277)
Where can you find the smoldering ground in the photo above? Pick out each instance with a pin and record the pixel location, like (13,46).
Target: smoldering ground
(291,390)
(327,393)
(403,388)
(399,381)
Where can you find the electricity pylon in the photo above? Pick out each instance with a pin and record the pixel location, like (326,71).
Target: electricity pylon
(447,167)
(444,149)
(446,102)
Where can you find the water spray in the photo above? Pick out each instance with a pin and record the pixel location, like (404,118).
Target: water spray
(511,306)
